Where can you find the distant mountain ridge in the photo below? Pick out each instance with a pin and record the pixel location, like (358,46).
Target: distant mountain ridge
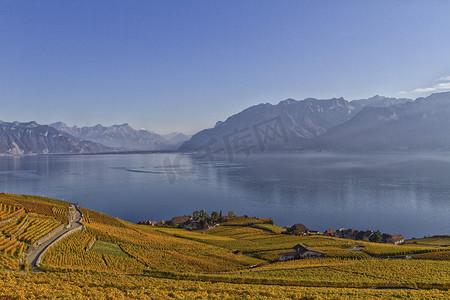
(122,137)
(176,139)
(301,122)
(18,138)
(373,124)
(420,125)
(31,138)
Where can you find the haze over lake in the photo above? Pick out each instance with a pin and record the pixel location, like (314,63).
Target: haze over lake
(393,192)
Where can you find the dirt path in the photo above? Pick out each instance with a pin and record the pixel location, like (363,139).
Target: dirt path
(355,248)
(74,222)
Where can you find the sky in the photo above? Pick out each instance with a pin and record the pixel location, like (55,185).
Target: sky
(182,65)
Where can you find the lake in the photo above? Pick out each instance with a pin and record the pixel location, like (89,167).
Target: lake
(394,192)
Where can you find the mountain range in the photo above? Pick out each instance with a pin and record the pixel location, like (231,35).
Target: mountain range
(374,124)
(423,124)
(123,137)
(31,138)
(291,124)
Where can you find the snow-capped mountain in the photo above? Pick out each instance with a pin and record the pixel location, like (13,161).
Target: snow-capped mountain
(122,137)
(31,138)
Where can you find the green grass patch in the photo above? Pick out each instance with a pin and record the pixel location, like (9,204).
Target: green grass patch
(108,248)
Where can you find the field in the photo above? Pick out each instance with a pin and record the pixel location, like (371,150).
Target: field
(23,221)
(394,250)
(147,248)
(113,286)
(441,240)
(113,258)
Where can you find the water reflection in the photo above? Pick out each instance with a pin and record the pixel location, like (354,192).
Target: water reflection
(399,192)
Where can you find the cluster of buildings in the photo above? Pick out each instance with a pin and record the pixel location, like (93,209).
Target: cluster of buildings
(300,251)
(369,236)
(185,222)
(188,223)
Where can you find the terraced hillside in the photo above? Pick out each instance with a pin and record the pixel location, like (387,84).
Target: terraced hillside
(24,222)
(112,258)
(135,248)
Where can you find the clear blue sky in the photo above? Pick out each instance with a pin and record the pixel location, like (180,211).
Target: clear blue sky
(182,65)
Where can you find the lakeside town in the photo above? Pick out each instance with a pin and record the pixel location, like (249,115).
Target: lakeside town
(201,220)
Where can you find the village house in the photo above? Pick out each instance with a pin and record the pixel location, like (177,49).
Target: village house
(191,225)
(385,237)
(299,229)
(340,232)
(351,233)
(288,256)
(308,252)
(301,251)
(367,235)
(212,225)
(329,232)
(179,220)
(396,239)
(363,235)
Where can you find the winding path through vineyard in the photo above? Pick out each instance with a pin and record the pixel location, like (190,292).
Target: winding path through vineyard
(74,222)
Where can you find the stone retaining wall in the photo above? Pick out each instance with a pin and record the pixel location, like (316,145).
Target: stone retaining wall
(46,237)
(91,243)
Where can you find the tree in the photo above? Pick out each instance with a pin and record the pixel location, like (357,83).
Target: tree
(196,215)
(215,216)
(204,215)
(231,214)
(377,237)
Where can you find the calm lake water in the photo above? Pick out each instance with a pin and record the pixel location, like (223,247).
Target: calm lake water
(396,193)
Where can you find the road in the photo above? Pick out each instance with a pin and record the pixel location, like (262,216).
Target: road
(74,222)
